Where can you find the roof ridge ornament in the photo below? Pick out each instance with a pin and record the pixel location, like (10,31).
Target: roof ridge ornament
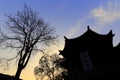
(88,28)
(65,38)
(111,33)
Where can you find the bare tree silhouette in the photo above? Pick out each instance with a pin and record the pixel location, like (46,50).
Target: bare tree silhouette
(26,30)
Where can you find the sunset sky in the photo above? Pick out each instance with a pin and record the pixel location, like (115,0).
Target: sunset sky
(70,18)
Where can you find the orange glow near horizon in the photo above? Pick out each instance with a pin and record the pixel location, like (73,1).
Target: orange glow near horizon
(28,72)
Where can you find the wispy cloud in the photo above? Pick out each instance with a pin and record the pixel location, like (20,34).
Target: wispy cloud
(106,14)
(79,27)
(98,18)
(74,30)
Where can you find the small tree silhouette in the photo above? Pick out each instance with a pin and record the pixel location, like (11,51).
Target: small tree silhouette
(49,67)
(26,30)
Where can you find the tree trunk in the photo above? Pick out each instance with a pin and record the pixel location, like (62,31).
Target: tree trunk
(17,75)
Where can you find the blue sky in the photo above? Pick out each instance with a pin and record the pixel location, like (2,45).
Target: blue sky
(70,17)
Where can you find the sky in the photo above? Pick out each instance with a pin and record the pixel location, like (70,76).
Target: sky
(70,18)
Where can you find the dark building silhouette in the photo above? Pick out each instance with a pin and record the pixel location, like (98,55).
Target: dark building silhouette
(91,56)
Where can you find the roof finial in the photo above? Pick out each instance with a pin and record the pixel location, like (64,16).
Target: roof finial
(88,28)
(65,38)
(111,33)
